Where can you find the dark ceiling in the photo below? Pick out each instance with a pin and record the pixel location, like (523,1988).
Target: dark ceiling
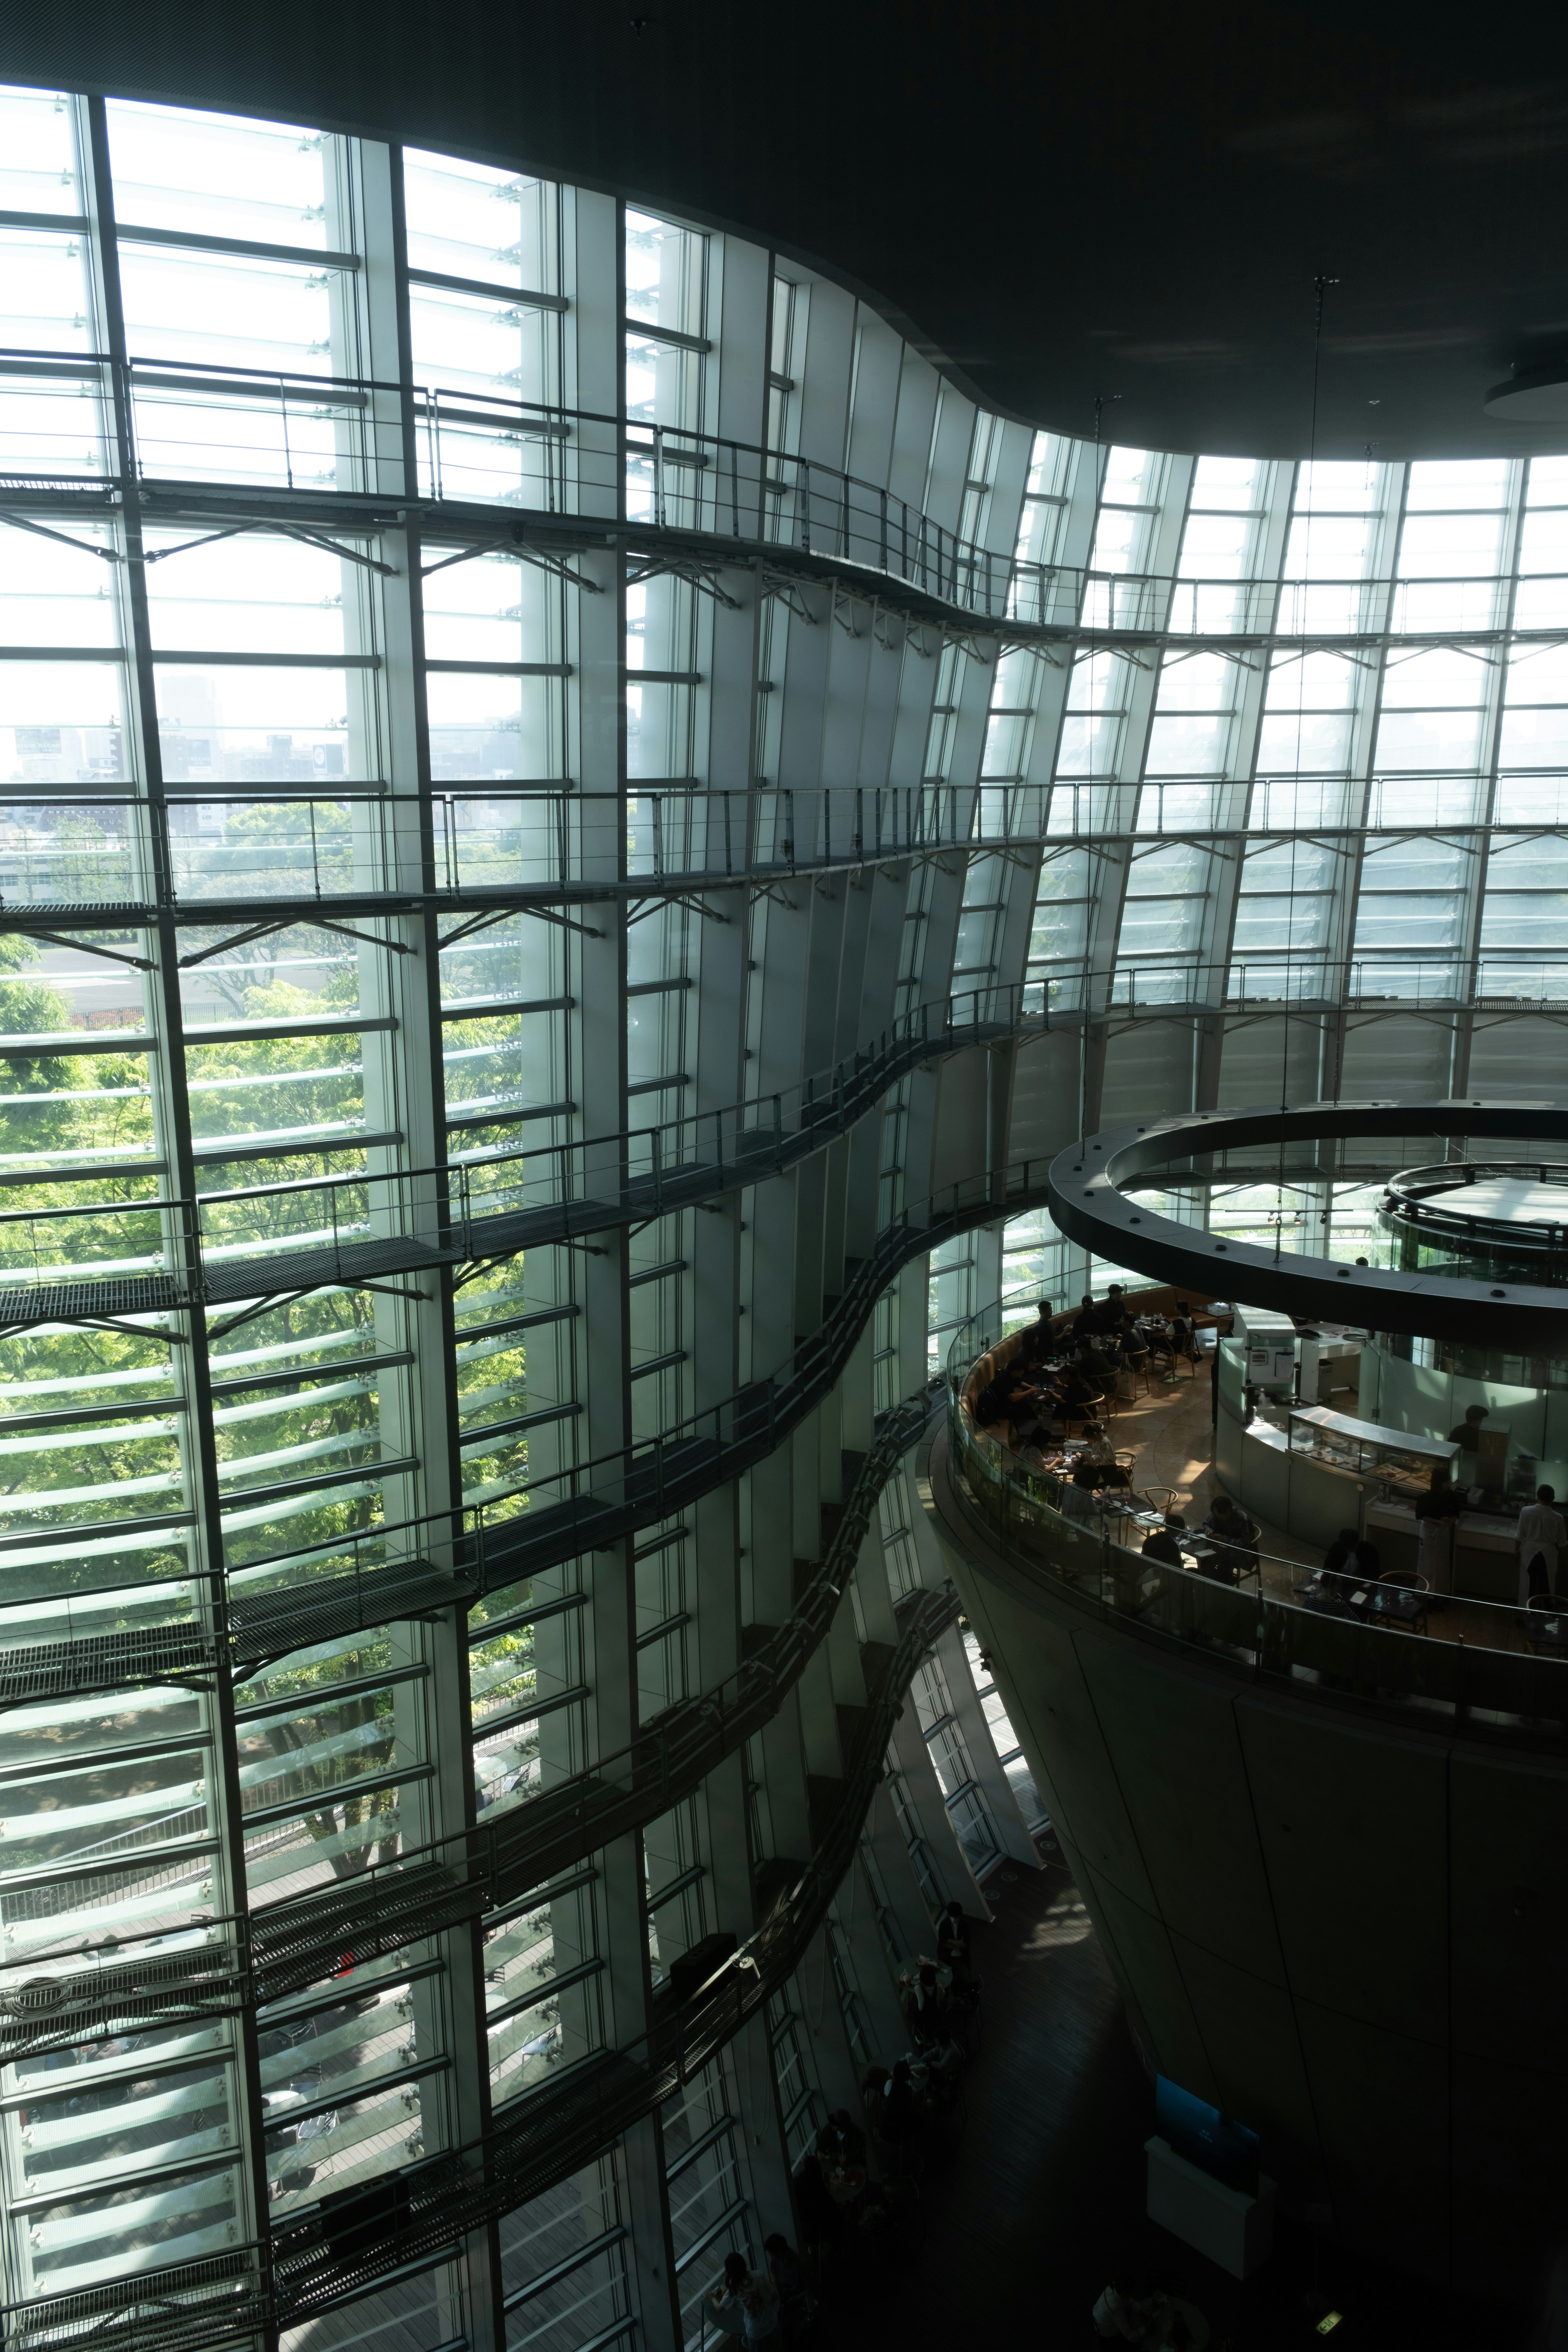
(1056,201)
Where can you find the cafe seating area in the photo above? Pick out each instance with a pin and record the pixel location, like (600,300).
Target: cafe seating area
(1159,1431)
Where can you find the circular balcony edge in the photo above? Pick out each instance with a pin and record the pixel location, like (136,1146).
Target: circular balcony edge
(1087,1201)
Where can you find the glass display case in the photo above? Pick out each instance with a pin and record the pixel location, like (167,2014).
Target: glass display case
(1395,1459)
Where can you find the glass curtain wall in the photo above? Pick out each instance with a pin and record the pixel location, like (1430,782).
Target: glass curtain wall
(367,963)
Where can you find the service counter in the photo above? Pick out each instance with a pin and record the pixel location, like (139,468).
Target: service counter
(1316,1474)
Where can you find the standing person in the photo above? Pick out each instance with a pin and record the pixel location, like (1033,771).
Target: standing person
(746,2304)
(953,1928)
(1467,1436)
(1036,1344)
(925,2007)
(1435,1512)
(1541,1539)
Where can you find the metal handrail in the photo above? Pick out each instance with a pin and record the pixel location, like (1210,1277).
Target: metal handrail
(465,1209)
(547,2134)
(747,494)
(511,1853)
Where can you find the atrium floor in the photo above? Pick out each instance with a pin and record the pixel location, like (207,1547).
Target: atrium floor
(1038,2201)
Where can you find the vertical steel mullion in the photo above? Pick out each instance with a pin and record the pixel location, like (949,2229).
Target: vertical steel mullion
(183,1241)
(421,1076)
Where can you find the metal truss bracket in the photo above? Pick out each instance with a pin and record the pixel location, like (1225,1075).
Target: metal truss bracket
(285,530)
(263,1305)
(499,915)
(676,567)
(524,553)
(771,890)
(265,931)
(55,939)
(842,599)
(786,590)
(83,546)
(642,907)
(125,1330)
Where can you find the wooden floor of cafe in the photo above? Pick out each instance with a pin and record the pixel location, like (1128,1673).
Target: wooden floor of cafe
(1035,2200)
(1170,1433)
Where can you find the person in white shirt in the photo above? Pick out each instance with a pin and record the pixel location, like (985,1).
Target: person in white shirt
(1541,1539)
(745,2302)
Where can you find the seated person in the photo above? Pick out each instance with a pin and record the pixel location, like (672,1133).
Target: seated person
(1098,1358)
(1084,1320)
(1099,1450)
(1076,1500)
(1078,1393)
(1023,1407)
(1235,1537)
(1338,1568)
(1365,1560)
(990,1408)
(1164,1545)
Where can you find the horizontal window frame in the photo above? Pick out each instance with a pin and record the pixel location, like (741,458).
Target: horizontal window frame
(539,1994)
(496,670)
(659,1364)
(565,2268)
(350,1025)
(191,657)
(505,1719)
(326,1695)
(94,1530)
(491,1628)
(523,297)
(688,1879)
(368,1784)
(461,1123)
(634,1281)
(11,1424)
(325,1139)
(661,1632)
(241,248)
(645,330)
(476,1438)
(537,1317)
(710,2139)
(399,1357)
(726,2221)
(357,2093)
(385,1468)
(497,1009)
